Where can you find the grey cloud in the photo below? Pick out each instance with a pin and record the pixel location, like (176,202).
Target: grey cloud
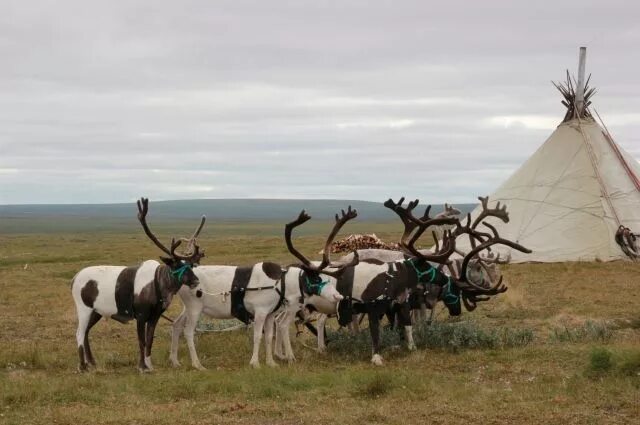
(105,101)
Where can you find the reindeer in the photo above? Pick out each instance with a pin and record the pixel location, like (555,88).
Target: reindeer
(449,211)
(257,293)
(124,293)
(481,271)
(312,277)
(376,286)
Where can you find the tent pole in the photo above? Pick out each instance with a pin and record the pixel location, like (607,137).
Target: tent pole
(580,88)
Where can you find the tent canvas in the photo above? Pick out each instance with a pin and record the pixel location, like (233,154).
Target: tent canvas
(568,199)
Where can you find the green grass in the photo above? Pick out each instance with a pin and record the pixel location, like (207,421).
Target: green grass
(510,361)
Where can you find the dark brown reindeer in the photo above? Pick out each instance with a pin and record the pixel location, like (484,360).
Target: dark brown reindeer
(374,286)
(464,288)
(142,293)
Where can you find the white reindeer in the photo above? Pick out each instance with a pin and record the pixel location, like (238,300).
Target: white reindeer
(257,293)
(125,293)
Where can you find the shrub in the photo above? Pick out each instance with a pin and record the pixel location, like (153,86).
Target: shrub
(375,386)
(600,361)
(590,331)
(453,337)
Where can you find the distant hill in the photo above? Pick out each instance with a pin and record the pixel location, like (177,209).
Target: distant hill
(254,210)
(180,216)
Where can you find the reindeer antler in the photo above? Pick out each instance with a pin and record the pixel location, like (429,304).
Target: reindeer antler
(497,212)
(326,261)
(340,221)
(422,224)
(404,213)
(193,257)
(493,240)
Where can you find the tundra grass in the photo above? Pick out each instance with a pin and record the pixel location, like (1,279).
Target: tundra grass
(561,345)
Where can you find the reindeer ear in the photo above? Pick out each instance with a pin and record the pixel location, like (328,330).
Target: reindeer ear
(168,261)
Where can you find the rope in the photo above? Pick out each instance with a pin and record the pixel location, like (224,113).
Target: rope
(616,150)
(594,164)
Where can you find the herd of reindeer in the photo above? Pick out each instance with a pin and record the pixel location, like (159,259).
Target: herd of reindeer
(402,285)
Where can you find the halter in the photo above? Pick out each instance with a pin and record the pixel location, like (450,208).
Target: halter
(179,272)
(314,288)
(449,297)
(419,274)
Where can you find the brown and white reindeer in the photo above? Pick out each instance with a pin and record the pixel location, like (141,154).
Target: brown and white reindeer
(257,293)
(312,277)
(374,286)
(142,292)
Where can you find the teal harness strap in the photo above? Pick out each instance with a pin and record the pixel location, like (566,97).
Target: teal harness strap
(431,271)
(179,272)
(315,288)
(449,297)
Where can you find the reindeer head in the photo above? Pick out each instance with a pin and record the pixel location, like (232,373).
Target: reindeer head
(463,285)
(312,281)
(181,265)
(472,291)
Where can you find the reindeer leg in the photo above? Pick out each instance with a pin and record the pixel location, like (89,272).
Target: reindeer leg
(191,320)
(176,329)
(268,340)
(432,316)
(140,324)
(404,319)
(258,326)
(84,315)
(320,325)
(286,337)
(93,319)
(374,329)
(423,311)
(150,331)
(278,350)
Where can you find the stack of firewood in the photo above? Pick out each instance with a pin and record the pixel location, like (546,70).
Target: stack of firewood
(354,242)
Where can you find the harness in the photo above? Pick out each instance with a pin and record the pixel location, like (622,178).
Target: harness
(179,272)
(238,292)
(450,296)
(311,287)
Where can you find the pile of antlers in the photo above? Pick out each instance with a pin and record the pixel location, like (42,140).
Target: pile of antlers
(356,242)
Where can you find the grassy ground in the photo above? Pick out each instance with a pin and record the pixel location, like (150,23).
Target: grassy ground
(582,365)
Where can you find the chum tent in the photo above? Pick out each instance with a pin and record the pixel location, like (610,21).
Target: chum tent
(567,201)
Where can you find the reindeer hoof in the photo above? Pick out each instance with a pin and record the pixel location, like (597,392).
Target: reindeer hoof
(176,363)
(144,370)
(255,365)
(272,364)
(147,362)
(376,360)
(199,367)
(411,347)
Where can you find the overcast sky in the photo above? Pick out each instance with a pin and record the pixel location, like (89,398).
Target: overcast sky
(108,101)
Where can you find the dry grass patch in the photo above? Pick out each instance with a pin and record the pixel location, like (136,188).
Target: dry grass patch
(523,376)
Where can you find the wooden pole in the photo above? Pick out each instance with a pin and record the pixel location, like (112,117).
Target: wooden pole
(580,88)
